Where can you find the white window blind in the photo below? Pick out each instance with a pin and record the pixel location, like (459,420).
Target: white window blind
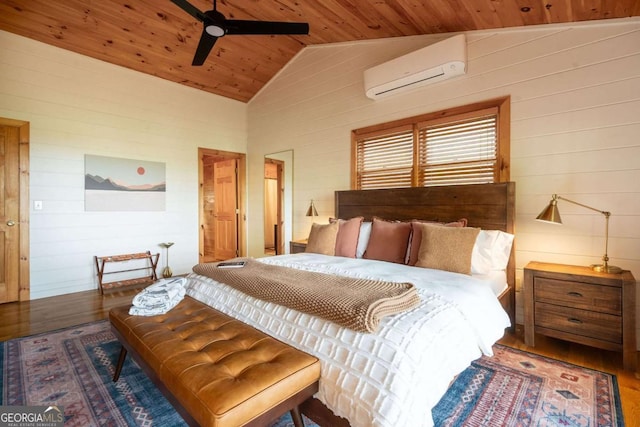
(455,149)
(458,153)
(385,160)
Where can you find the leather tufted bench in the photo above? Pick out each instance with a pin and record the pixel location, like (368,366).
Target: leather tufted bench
(215,370)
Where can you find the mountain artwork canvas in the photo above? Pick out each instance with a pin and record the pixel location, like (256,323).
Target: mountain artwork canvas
(116,184)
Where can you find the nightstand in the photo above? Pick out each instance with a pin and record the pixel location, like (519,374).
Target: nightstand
(297,246)
(577,304)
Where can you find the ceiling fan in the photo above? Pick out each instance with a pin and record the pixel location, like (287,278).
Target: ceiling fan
(216,25)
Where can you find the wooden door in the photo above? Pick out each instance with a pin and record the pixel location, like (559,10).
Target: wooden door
(9,213)
(226,209)
(207,206)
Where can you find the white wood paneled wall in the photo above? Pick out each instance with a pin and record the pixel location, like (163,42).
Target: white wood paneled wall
(575,93)
(76,106)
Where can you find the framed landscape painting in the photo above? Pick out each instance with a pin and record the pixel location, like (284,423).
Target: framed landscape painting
(115,184)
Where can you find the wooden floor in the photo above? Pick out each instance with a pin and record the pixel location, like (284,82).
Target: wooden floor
(42,315)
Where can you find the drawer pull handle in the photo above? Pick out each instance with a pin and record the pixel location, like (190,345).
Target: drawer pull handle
(574,320)
(575,294)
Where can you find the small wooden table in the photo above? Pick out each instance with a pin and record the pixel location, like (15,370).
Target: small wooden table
(577,304)
(297,246)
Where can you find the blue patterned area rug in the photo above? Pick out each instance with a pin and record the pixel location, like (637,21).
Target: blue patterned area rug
(73,368)
(517,388)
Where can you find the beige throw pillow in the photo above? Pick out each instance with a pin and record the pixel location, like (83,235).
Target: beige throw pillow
(416,235)
(447,248)
(322,239)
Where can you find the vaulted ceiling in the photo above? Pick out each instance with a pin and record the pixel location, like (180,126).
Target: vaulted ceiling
(158,38)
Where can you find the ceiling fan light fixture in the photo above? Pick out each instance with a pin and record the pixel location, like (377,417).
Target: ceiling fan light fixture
(214,30)
(216,25)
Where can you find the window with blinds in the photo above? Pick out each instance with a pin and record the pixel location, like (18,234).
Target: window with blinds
(468,145)
(386,160)
(458,153)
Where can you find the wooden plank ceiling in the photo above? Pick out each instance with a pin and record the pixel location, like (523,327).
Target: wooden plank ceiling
(158,38)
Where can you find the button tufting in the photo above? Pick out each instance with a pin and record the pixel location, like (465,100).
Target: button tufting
(218,365)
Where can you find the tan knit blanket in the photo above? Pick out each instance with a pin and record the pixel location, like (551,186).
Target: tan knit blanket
(357,304)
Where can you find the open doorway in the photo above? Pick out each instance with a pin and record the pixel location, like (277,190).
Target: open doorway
(222,215)
(278,202)
(273,206)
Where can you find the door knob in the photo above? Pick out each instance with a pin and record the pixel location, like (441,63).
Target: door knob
(11,223)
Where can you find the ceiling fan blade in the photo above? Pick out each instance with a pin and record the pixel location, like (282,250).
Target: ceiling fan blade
(236,26)
(204,48)
(190,9)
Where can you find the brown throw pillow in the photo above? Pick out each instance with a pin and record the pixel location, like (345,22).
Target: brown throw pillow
(347,239)
(416,236)
(388,241)
(447,248)
(322,239)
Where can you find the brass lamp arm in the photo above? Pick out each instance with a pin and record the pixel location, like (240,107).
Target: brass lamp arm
(605,267)
(605,213)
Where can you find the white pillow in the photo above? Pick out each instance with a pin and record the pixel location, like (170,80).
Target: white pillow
(501,249)
(491,251)
(363,238)
(482,253)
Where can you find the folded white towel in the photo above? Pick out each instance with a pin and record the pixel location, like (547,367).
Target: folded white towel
(160,292)
(158,298)
(154,310)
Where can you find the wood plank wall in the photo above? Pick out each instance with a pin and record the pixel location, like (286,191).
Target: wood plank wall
(575,92)
(77,106)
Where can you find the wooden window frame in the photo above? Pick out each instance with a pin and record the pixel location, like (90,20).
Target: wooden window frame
(503,134)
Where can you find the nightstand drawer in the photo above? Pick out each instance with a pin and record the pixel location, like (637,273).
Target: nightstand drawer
(585,323)
(576,303)
(604,299)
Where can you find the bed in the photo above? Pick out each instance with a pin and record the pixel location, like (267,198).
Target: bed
(486,206)
(392,377)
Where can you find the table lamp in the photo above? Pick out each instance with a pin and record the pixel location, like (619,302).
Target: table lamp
(552,215)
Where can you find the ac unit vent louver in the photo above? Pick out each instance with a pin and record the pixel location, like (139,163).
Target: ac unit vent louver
(431,64)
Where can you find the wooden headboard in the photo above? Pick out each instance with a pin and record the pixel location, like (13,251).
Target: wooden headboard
(487,206)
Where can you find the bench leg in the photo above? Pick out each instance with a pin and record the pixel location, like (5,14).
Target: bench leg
(121,358)
(297,417)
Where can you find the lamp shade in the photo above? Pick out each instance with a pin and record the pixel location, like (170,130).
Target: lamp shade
(312,210)
(551,213)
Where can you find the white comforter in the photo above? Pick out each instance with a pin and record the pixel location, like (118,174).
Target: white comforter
(391,378)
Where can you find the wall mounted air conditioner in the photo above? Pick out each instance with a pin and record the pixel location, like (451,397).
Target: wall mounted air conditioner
(431,64)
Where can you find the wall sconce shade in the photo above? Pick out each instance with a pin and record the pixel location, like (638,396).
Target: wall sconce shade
(312,210)
(552,215)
